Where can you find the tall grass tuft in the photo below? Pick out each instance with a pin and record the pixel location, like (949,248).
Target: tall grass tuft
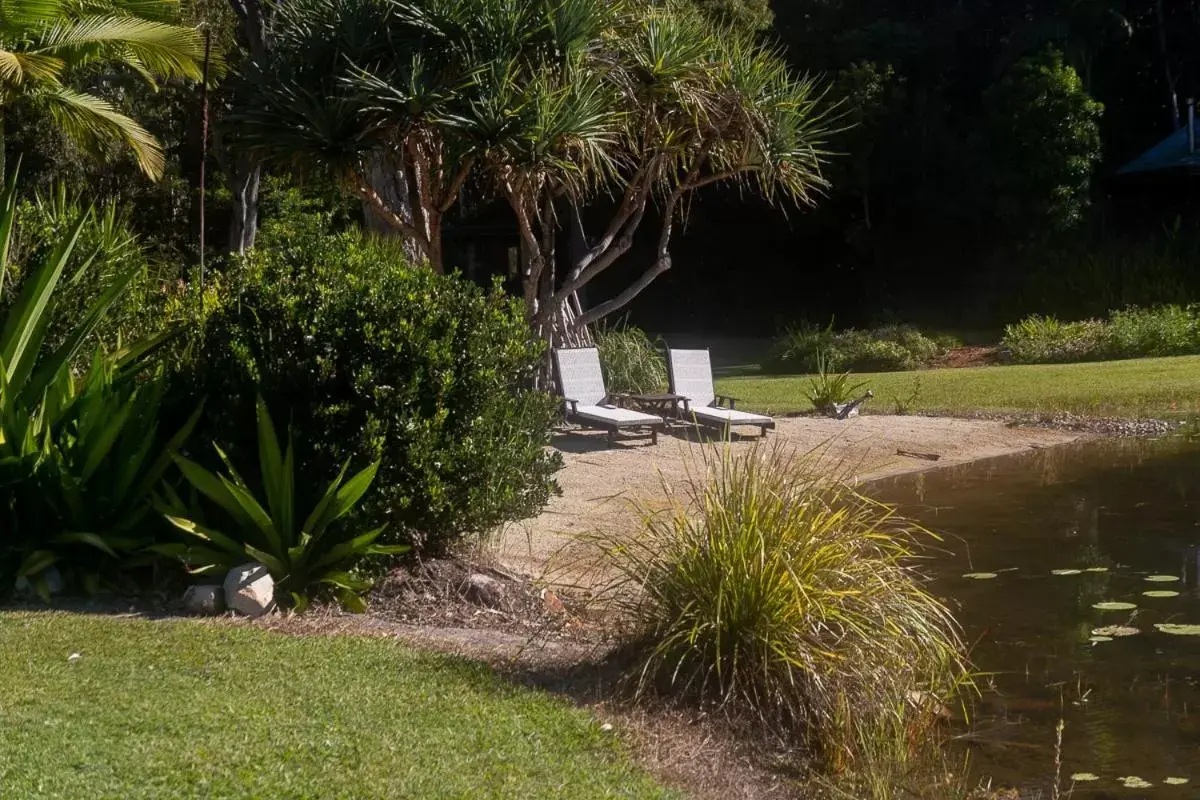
(791,600)
(630,359)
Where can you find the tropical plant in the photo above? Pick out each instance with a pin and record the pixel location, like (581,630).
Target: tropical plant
(828,388)
(631,361)
(43,42)
(374,358)
(78,457)
(552,104)
(885,348)
(789,598)
(302,551)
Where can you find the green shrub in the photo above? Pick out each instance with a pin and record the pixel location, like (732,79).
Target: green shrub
(887,348)
(370,358)
(1131,333)
(79,456)
(789,599)
(1044,340)
(107,249)
(294,536)
(630,360)
(1162,331)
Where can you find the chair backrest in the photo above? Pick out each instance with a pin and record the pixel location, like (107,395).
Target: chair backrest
(690,372)
(579,375)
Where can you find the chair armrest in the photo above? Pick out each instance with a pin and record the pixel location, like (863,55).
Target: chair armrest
(685,404)
(569,405)
(724,398)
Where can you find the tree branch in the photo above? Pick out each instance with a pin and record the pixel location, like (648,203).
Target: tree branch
(371,196)
(596,313)
(450,193)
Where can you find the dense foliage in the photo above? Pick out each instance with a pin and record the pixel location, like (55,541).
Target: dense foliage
(808,348)
(1128,333)
(374,359)
(79,457)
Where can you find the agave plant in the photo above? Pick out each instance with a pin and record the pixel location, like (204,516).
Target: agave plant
(303,552)
(78,456)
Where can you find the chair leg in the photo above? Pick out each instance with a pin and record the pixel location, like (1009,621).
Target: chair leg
(764,431)
(612,436)
(654,436)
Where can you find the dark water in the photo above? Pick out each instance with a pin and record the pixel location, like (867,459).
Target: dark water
(1131,706)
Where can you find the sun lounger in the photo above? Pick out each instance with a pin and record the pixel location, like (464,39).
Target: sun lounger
(690,373)
(589,404)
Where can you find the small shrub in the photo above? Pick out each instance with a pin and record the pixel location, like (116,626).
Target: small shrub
(827,389)
(789,599)
(370,358)
(889,348)
(630,360)
(294,536)
(1162,331)
(1131,333)
(1044,340)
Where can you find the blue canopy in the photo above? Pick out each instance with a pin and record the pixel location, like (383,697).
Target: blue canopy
(1170,153)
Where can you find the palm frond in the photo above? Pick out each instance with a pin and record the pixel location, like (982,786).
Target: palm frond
(89,120)
(17,68)
(163,49)
(28,15)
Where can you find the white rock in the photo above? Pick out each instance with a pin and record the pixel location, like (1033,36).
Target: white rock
(206,599)
(53,578)
(484,590)
(250,589)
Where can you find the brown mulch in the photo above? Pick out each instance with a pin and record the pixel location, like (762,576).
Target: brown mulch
(970,356)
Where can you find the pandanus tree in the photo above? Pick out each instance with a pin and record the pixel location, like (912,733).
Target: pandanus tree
(45,43)
(548,105)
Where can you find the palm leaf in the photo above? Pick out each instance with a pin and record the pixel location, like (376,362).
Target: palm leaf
(17,68)
(89,119)
(22,335)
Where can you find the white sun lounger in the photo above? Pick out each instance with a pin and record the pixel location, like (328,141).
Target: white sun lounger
(588,403)
(690,373)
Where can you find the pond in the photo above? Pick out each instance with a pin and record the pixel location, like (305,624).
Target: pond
(1095,551)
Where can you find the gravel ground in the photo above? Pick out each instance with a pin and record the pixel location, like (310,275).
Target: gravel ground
(599,480)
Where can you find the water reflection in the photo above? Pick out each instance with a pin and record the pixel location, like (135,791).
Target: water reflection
(1130,704)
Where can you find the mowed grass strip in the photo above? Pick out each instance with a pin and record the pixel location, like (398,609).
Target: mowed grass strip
(1146,387)
(182,709)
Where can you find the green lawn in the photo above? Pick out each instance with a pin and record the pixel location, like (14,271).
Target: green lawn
(1147,387)
(177,709)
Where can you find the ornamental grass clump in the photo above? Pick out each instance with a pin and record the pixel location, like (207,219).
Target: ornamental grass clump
(793,600)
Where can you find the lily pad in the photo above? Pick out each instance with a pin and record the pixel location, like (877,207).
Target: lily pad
(1134,782)
(1114,606)
(1160,593)
(1115,630)
(1065,571)
(1162,578)
(1084,777)
(1100,639)
(1096,569)
(980,576)
(1178,630)
(1175,781)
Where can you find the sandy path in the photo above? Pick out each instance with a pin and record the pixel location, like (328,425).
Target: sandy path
(599,480)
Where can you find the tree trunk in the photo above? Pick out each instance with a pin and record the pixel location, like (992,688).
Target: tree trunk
(244,180)
(389,182)
(1172,95)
